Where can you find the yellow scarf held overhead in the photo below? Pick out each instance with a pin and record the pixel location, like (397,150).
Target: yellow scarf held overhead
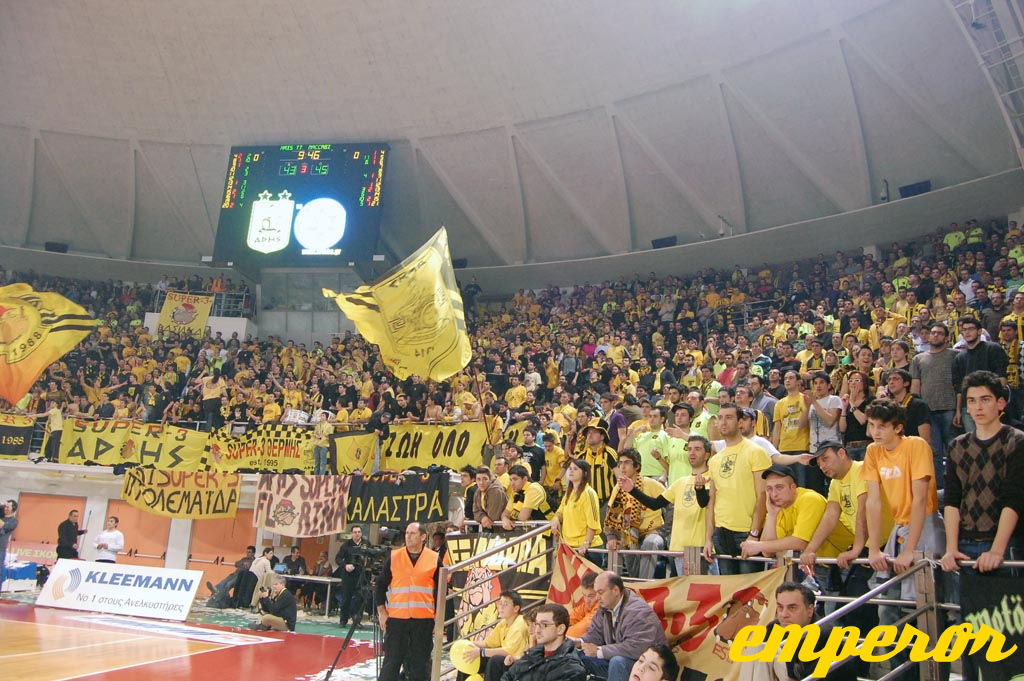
(36,329)
(414,314)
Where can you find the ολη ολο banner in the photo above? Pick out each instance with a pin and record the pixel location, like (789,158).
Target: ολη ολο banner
(413,444)
(182,494)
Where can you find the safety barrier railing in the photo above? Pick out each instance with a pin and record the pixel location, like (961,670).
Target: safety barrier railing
(446,594)
(228,304)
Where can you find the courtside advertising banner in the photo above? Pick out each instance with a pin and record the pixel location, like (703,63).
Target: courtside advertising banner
(135,590)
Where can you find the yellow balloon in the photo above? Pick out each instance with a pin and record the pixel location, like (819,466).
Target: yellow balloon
(460,654)
(475,677)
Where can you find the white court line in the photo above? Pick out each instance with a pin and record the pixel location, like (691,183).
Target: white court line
(62,650)
(126,666)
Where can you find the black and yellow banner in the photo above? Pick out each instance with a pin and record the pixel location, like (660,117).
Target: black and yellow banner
(399,498)
(184,315)
(271,447)
(36,329)
(109,442)
(411,444)
(15,435)
(353,452)
(414,314)
(182,494)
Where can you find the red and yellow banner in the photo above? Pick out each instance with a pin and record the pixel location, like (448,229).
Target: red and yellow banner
(36,329)
(701,614)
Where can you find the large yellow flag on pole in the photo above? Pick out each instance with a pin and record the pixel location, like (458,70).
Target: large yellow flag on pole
(414,314)
(36,329)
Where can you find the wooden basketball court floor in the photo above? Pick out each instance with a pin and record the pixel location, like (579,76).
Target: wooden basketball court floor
(49,644)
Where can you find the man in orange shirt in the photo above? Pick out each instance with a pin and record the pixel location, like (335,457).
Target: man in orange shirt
(583,612)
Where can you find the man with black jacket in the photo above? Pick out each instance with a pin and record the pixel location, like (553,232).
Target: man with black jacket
(279,607)
(978,355)
(553,658)
(350,563)
(67,537)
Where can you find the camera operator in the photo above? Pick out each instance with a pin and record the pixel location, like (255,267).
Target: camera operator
(8,523)
(351,560)
(278,605)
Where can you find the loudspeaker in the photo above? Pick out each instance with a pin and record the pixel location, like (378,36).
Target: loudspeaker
(55,247)
(664,242)
(908,190)
(460,263)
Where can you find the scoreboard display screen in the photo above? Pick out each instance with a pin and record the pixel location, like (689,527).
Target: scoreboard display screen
(301,204)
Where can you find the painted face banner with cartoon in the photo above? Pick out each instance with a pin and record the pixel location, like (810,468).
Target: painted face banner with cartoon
(301,505)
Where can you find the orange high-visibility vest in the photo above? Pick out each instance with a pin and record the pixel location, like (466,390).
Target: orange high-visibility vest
(411,592)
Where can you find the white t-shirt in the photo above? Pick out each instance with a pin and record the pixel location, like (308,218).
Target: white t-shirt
(819,431)
(114,541)
(762,442)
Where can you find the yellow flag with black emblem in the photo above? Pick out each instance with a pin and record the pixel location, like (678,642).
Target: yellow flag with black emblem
(36,329)
(414,314)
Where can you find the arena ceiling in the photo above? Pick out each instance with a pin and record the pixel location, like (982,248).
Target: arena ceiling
(535,131)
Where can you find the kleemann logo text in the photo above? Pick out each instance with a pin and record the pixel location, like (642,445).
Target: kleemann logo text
(139,581)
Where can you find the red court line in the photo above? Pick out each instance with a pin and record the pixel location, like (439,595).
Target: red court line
(299,655)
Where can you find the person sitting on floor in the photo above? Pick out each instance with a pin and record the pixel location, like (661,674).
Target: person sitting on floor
(278,606)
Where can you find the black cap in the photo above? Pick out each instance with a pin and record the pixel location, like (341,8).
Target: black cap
(746,413)
(824,447)
(778,469)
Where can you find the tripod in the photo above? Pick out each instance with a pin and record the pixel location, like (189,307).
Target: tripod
(368,583)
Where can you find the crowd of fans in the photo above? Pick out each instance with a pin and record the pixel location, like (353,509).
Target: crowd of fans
(824,418)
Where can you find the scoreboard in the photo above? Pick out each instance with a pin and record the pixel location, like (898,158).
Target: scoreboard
(301,204)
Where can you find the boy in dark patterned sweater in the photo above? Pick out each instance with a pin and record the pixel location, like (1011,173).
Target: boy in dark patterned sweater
(984,496)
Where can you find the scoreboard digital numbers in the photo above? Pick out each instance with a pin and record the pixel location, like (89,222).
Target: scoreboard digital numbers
(301,204)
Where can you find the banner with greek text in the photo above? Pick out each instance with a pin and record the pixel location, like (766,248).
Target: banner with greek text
(15,435)
(109,442)
(184,315)
(996,602)
(353,452)
(182,494)
(399,498)
(302,505)
(33,552)
(271,447)
(488,583)
(133,590)
(454,446)
(701,614)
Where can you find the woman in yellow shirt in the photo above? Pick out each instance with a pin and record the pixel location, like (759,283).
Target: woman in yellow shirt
(578,520)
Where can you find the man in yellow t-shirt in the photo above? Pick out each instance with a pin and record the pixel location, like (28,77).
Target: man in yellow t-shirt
(527,500)
(516,394)
(794,514)
(791,432)
(510,637)
(737,500)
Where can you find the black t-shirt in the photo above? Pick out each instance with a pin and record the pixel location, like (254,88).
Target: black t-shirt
(917,415)
(535,456)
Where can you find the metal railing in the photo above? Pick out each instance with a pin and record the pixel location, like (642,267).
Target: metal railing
(232,304)
(444,594)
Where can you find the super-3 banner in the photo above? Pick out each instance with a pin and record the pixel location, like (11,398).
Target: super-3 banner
(15,435)
(996,602)
(701,614)
(454,446)
(526,579)
(301,505)
(271,447)
(182,494)
(399,498)
(112,441)
(184,314)
(353,452)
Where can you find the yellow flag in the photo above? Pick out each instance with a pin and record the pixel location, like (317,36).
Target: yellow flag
(184,315)
(36,329)
(414,314)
